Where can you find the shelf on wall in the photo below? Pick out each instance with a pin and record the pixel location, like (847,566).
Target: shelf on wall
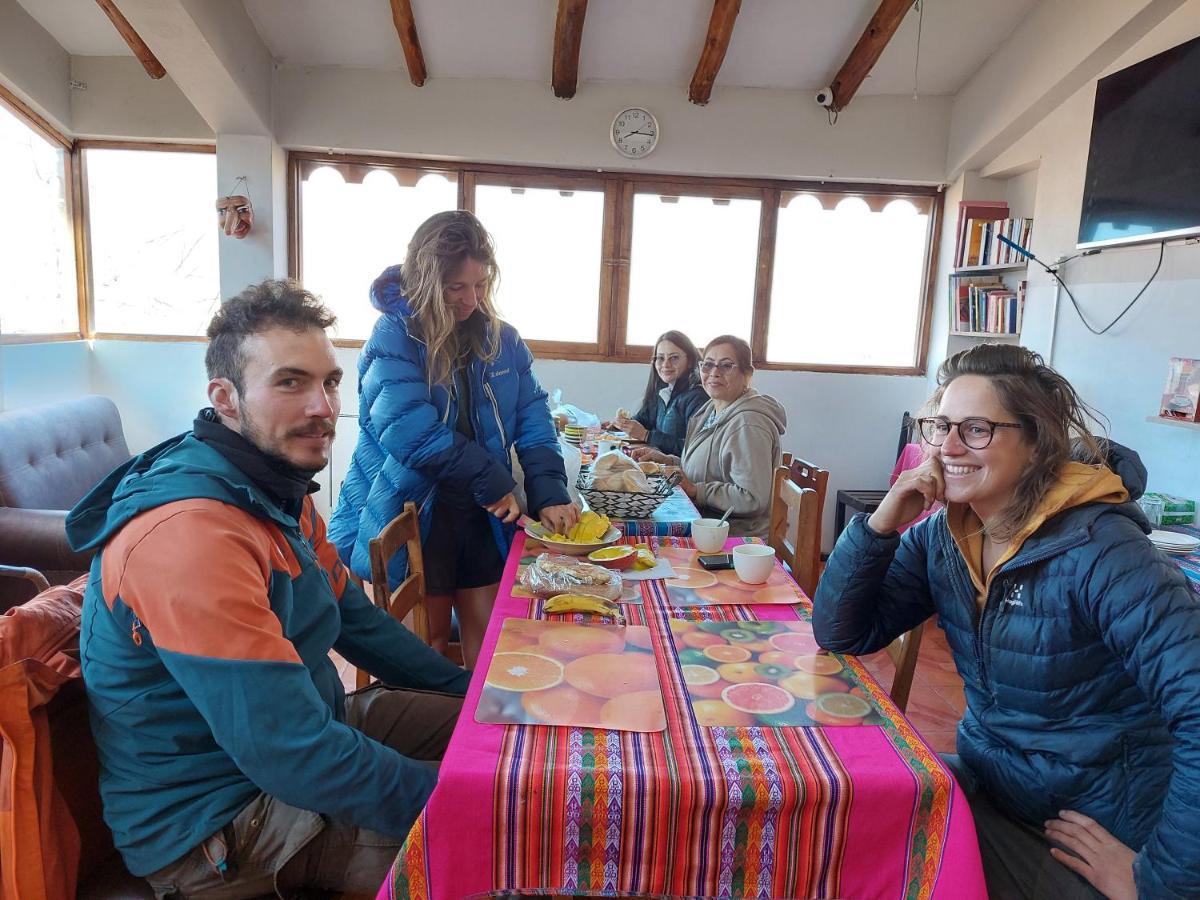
(1178,423)
(999,335)
(976,270)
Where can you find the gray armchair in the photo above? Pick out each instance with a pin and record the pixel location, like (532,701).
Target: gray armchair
(50,456)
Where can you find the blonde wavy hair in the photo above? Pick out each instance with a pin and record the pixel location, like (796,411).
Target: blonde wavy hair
(438,249)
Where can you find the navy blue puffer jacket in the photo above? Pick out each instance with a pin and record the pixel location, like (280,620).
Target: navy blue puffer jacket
(1082,674)
(407,442)
(666,422)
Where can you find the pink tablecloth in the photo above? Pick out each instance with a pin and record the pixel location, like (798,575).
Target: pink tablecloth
(863,812)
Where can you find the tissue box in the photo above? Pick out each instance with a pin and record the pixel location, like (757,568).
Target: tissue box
(1175,510)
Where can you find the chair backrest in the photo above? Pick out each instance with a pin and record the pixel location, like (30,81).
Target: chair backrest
(409,595)
(907,426)
(50,456)
(808,475)
(903,652)
(795,529)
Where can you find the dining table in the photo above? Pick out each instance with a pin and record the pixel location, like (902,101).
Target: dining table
(693,810)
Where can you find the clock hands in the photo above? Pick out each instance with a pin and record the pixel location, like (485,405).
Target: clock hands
(643,133)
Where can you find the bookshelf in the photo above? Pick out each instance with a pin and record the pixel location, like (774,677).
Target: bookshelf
(986,287)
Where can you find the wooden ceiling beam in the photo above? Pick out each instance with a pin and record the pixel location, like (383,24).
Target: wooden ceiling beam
(143,53)
(568,37)
(720,29)
(406,28)
(867,51)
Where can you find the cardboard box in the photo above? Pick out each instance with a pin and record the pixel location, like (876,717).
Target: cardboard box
(1181,396)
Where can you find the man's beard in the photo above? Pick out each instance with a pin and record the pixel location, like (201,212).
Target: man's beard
(273,451)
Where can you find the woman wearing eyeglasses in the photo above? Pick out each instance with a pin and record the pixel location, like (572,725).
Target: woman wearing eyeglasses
(673,394)
(1078,643)
(732,444)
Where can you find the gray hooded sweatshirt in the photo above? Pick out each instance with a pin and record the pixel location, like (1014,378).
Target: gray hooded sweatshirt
(732,462)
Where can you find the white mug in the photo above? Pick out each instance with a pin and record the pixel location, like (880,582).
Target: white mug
(753,562)
(709,535)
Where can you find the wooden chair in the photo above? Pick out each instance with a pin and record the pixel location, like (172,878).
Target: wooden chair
(408,597)
(903,654)
(807,475)
(795,529)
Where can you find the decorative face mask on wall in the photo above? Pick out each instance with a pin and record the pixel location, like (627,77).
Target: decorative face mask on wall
(235,214)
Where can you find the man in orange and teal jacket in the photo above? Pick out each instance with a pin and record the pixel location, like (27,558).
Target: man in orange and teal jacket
(232,762)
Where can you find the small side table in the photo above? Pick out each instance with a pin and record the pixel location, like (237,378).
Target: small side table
(859,501)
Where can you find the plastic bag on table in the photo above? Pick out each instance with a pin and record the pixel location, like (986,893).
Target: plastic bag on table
(567,413)
(552,573)
(572,460)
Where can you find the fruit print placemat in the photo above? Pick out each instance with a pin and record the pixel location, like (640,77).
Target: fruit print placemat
(567,673)
(696,586)
(766,673)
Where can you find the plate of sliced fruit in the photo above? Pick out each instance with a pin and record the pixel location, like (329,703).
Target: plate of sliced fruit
(592,532)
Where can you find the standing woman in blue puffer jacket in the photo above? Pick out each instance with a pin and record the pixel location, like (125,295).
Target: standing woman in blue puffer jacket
(1077,641)
(446,390)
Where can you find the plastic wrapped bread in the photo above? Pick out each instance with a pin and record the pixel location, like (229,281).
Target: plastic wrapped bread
(552,573)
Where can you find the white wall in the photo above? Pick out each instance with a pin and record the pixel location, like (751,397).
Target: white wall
(1121,373)
(742,131)
(34,65)
(122,101)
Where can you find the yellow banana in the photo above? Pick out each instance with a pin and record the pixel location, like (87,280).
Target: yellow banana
(582,603)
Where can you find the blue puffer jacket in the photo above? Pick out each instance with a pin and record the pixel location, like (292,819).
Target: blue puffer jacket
(666,422)
(407,443)
(1082,675)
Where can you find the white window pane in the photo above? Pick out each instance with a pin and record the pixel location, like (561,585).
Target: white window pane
(548,246)
(37,247)
(351,232)
(848,283)
(152,226)
(692,265)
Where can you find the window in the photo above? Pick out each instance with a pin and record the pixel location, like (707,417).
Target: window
(692,266)
(152,232)
(848,280)
(39,295)
(549,246)
(355,222)
(596,265)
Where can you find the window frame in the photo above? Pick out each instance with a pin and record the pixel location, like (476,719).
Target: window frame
(43,128)
(84,237)
(620,187)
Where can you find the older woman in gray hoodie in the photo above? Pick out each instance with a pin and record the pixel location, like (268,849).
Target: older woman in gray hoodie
(732,443)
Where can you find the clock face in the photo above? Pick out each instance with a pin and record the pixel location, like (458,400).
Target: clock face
(634,132)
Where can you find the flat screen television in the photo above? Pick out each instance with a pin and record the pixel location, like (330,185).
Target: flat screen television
(1143,171)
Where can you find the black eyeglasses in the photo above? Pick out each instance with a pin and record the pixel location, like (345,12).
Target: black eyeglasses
(975,432)
(724,367)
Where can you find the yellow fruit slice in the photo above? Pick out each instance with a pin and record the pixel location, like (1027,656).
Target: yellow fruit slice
(843,706)
(726,653)
(817,665)
(524,672)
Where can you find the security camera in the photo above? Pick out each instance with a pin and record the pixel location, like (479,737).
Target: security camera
(824,97)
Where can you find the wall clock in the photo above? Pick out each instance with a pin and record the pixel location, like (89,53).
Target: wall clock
(634,132)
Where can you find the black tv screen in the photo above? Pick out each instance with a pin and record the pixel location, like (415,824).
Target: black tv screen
(1143,171)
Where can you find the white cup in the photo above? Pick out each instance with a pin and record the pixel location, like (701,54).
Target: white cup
(709,535)
(753,562)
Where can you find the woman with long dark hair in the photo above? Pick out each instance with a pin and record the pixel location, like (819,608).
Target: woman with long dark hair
(673,394)
(1078,643)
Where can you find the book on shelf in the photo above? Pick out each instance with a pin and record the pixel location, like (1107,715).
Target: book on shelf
(972,216)
(987,306)
(981,223)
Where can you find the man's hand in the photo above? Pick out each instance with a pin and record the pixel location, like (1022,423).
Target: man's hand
(689,487)
(505,509)
(1104,861)
(559,519)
